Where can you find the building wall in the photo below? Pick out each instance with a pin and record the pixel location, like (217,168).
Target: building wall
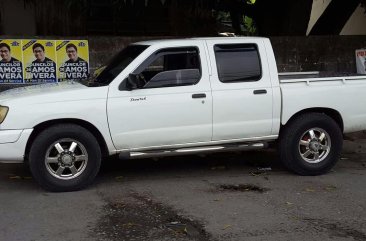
(354,26)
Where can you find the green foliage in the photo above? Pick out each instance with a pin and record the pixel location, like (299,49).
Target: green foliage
(249,26)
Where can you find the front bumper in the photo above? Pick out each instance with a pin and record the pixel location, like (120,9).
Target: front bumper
(13,144)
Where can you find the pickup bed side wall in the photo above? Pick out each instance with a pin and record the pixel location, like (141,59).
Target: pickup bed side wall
(345,97)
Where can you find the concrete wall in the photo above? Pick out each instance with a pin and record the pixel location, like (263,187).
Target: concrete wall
(316,53)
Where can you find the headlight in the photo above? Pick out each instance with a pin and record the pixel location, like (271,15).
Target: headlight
(3,111)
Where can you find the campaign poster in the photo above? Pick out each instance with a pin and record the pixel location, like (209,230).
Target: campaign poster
(11,67)
(72,59)
(39,60)
(361,61)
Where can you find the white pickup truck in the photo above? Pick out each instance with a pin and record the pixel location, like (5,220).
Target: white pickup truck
(175,97)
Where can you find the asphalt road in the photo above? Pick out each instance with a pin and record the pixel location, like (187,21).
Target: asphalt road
(217,197)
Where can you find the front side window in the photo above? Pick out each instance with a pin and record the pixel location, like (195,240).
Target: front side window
(171,67)
(238,62)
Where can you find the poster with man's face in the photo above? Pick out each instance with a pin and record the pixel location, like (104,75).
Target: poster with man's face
(39,58)
(11,70)
(72,59)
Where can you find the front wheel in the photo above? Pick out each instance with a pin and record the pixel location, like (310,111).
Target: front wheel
(65,157)
(311,144)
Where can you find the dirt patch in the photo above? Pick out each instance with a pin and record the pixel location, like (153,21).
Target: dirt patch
(241,188)
(337,229)
(140,218)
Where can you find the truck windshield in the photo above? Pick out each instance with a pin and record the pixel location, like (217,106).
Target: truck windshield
(118,64)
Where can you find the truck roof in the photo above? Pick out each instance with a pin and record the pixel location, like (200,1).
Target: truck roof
(156,41)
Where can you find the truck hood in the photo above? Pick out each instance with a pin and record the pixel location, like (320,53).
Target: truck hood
(51,92)
(29,91)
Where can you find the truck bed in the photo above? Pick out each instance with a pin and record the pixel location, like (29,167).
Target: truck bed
(344,94)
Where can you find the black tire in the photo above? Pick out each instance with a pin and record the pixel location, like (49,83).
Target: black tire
(87,148)
(293,156)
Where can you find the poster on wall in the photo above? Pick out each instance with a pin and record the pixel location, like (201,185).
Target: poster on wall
(11,70)
(43,61)
(361,61)
(39,58)
(72,59)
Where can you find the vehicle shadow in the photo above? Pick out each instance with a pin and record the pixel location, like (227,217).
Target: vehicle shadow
(191,165)
(18,176)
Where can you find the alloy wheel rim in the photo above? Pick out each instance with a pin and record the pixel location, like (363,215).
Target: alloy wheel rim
(66,159)
(314,145)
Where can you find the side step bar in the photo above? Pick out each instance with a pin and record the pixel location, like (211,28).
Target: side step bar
(192,150)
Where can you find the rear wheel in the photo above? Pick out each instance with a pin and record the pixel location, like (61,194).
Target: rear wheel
(311,144)
(65,157)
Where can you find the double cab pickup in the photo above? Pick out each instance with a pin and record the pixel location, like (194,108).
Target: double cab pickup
(175,97)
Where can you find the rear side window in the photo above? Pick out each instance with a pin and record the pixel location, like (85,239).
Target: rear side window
(238,62)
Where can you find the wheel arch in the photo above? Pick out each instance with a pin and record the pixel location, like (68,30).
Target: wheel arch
(87,125)
(332,113)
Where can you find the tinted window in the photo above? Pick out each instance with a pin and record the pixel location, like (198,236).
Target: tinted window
(171,67)
(238,62)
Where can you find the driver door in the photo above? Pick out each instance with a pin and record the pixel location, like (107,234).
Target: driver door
(174,107)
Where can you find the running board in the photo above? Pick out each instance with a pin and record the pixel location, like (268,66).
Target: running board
(192,150)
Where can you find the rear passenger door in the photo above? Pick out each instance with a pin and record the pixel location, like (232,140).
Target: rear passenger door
(241,90)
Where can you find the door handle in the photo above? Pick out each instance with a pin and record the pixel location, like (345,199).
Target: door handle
(260,92)
(197,96)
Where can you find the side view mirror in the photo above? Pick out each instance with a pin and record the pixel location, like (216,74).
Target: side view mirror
(134,81)
(131,82)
